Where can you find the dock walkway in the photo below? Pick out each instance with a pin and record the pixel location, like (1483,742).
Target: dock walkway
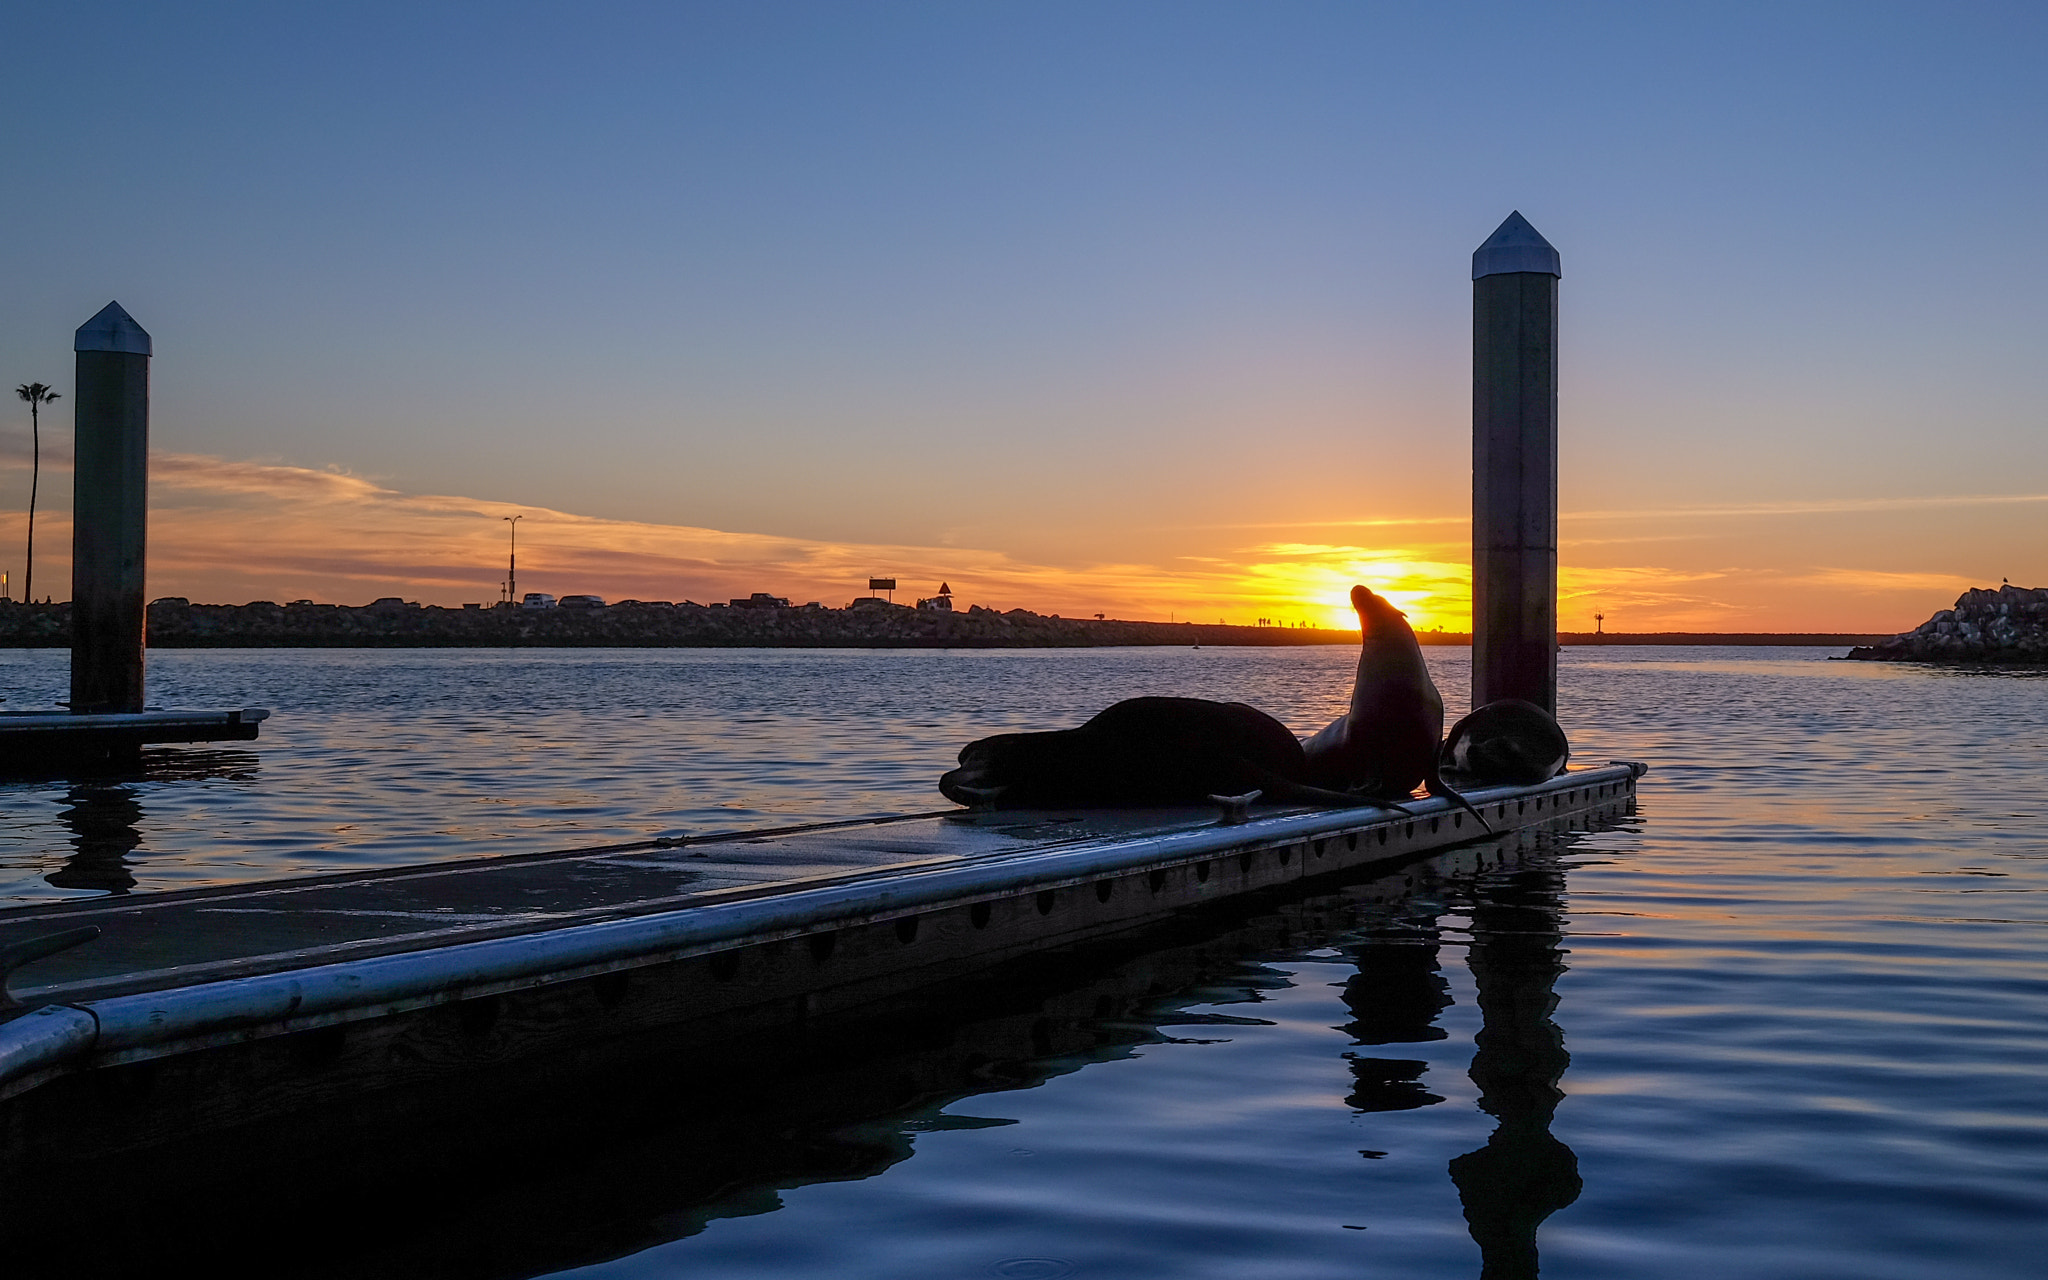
(248,1000)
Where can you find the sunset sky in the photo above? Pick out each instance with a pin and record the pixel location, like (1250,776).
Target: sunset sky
(1143,309)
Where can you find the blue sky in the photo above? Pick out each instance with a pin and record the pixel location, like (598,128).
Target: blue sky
(1142,285)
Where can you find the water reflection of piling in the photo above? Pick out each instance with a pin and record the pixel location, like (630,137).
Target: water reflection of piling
(1395,998)
(1523,1174)
(105,825)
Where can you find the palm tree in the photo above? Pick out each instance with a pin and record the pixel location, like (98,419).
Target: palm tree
(37,396)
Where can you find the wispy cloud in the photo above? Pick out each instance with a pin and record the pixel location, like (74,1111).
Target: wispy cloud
(1879,580)
(1385,522)
(231,530)
(1816,507)
(1711,511)
(224,529)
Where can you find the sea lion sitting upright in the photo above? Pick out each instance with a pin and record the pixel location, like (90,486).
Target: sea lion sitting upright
(1142,751)
(1508,742)
(1386,744)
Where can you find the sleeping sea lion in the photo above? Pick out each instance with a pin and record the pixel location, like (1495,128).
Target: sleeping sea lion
(1509,742)
(1386,744)
(1143,751)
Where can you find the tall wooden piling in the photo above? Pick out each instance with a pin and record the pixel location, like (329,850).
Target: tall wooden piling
(1514,466)
(110,511)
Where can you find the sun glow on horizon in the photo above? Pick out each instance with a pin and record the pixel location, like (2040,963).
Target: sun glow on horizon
(1313,582)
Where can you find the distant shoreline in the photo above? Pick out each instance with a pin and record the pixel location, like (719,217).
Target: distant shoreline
(177,624)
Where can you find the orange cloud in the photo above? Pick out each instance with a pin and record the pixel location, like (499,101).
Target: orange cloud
(234,530)
(229,530)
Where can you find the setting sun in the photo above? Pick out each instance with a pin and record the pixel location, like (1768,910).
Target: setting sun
(1313,583)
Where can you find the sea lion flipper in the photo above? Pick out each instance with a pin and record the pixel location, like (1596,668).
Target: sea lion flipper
(1436,786)
(1284,790)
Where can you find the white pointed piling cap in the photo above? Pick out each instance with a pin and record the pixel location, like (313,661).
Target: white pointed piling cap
(113,329)
(1515,246)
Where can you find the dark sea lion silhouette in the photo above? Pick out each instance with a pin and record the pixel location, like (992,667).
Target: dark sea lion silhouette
(1509,742)
(1141,751)
(1386,744)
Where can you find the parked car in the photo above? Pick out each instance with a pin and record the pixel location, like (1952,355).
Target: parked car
(583,602)
(537,600)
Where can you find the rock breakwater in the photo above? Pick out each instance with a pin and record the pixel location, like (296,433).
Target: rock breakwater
(2005,626)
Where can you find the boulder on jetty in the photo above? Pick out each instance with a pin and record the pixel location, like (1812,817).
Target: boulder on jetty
(2009,625)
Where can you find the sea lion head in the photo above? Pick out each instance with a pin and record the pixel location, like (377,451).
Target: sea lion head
(1383,629)
(1377,614)
(988,768)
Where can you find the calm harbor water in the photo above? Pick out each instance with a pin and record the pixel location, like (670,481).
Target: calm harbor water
(1801,998)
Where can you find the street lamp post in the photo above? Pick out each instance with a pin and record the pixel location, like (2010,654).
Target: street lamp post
(512,562)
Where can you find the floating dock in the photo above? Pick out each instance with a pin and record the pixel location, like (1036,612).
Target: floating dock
(206,1010)
(107,720)
(32,738)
